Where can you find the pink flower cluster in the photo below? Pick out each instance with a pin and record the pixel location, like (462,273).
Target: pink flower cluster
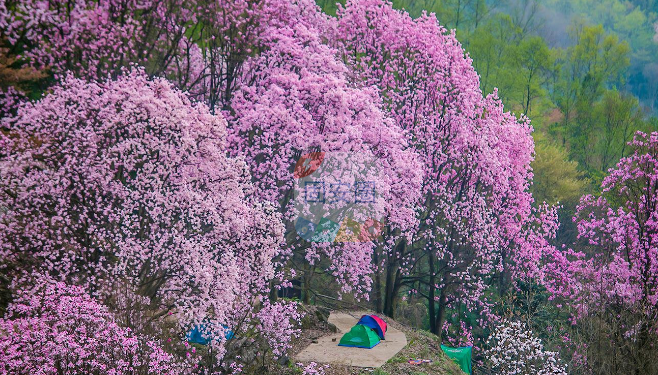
(312,368)
(55,328)
(475,207)
(619,231)
(10,99)
(279,323)
(172,196)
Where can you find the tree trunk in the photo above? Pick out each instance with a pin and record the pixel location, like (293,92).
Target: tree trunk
(388,295)
(644,360)
(394,294)
(378,286)
(431,295)
(505,276)
(306,285)
(440,318)
(393,281)
(273,292)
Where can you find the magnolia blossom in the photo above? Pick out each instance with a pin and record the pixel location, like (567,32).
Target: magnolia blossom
(267,65)
(475,196)
(55,328)
(296,97)
(173,196)
(277,322)
(125,186)
(10,99)
(612,281)
(96,39)
(622,225)
(514,350)
(312,368)
(83,36)
(533,252)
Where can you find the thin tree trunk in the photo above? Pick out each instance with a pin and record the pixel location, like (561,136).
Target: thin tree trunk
(393,281)
(431,294)
(440,318)
(378,286)
(397,285)
(643,365)
(390,280)
(306,285)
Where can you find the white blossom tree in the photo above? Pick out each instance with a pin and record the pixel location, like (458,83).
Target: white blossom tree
(514,350)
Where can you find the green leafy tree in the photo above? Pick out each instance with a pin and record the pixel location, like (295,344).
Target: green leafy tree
(618,117)
(556,178)
(535,63)
(490,47)
(595,61)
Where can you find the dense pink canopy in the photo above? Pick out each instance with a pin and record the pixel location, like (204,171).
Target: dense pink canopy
(621,227)
(125,186)
(54,328)
(178,191)
(296,97)
(475,157)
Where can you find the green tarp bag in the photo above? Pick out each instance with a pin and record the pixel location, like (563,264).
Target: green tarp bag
(360,337)
(460,355)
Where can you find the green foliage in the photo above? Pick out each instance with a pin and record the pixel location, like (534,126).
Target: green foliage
(453,14)
(330,6)
(596,61)
(557,179)
(617,117)
(633,21)
(491,46)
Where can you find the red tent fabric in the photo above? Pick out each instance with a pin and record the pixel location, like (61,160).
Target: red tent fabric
(381,322)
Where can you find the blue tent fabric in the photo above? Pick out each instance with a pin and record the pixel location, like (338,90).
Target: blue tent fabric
(368,321)
(201,334)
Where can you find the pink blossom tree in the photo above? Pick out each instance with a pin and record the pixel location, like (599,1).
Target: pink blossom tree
(200,45)
(613,282)
(266,65)
(55,328)
(97,39)
(124,187)
(533,246)
(295,98)
(127,181)
(475,178)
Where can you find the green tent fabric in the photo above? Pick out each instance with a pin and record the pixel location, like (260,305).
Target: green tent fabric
(360,336)
(460,355)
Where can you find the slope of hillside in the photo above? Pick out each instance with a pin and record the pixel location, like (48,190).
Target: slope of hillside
(420,345)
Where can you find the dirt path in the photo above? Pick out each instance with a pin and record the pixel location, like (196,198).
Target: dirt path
(328,351)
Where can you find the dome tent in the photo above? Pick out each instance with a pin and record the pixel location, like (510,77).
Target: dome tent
(360,336)
(381,322)
(375,323)
(203,333)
